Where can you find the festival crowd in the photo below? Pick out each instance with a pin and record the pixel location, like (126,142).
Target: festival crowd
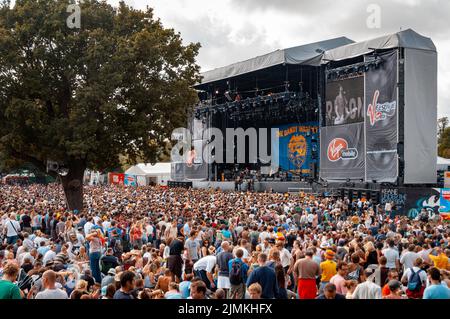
(155,242)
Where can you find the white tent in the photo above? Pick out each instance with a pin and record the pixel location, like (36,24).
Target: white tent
(158,173)
(442,163)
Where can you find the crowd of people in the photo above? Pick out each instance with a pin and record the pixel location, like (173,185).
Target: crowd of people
(155,242)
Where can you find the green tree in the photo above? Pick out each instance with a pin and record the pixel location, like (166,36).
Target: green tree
(442,125)
(118,85)
(444,143)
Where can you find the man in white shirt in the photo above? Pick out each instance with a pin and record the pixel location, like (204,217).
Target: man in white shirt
(263,235)
(88,226)
(106,225)
(50,292)
(265,247)
(49,255)
(204,268)
(367,289)
(409,258)
(285,255)
(27,242)
(12,229)
(392,256)
(38,239)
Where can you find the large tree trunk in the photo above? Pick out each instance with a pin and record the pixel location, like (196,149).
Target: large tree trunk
(73,185)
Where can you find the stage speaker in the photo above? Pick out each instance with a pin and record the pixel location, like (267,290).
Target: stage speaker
(175,184)
(313,169)
(375,197)
(346,193)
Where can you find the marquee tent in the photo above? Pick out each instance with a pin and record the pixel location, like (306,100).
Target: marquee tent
(146,174)
(442,163)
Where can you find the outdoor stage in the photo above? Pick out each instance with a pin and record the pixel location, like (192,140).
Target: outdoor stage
(352,118)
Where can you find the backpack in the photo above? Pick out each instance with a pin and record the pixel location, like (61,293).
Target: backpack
(236,273)
(414,282)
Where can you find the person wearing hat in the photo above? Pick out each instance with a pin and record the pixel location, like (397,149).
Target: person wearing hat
(328,268)
(109,278)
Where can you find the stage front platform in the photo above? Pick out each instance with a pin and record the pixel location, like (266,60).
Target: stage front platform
(272,186)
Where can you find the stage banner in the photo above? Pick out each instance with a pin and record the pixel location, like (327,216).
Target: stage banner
(342,152)
(344,101)
(444,204)
(447,179)
(141,180)
(116,178)
(381,120)
(130,180)
(298,147)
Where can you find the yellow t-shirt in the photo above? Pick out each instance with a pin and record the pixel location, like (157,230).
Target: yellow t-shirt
(440,262)
(328,270)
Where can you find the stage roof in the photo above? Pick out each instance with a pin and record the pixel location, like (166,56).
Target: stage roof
(309,54)
(403,39)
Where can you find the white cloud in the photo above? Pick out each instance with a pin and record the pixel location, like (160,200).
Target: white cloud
(234,30)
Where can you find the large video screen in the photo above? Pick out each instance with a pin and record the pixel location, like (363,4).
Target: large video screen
(344,101)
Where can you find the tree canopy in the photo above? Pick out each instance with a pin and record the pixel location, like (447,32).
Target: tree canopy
(118,85)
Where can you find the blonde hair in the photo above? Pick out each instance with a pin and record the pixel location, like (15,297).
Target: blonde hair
(255,287)
(82,285)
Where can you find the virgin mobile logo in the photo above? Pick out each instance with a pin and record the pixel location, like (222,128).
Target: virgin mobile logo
(338,149)
(380,111)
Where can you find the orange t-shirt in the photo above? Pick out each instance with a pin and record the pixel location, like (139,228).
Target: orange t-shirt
(385,291)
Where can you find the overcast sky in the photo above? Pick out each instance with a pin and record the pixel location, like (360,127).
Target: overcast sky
(235,30)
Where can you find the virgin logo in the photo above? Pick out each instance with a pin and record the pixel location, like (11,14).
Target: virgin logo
(335,148)
(372,112)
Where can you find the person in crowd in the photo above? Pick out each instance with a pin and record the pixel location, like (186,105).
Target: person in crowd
(198,290)
(8,288)
(338,280)
(204,268)
(328,269)
(50,290)
(395,290)
(95,247)
(266,277)
(392,275)
(223,259)
(127,285)
(329,292)
(367,289)
(306,272)
(255,291)
(415,279)
(436,289)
